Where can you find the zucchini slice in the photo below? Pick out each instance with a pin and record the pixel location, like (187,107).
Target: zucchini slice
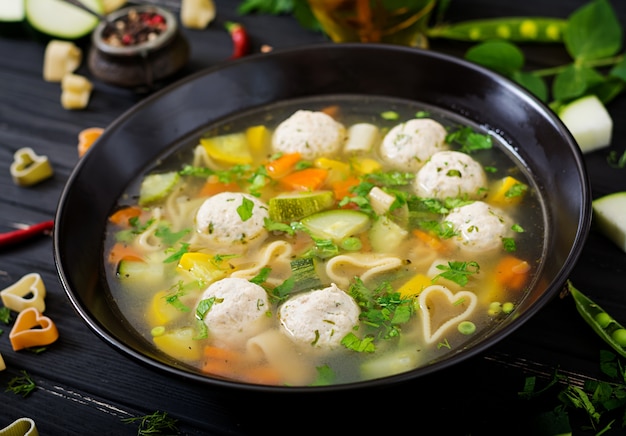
(290,207)
(12,17)
(156,186)
(337,224)
(62,20)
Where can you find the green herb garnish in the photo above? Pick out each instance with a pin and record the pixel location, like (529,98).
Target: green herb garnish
(23,385)
(458,272)
(156,423)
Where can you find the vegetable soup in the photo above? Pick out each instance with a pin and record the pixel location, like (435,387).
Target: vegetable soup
(325,241)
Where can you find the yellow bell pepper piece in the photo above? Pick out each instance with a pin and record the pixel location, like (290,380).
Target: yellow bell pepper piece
(230,149)
(505,193)
(365,165)
(161,312)
(415,285)
(201,266)
(258,138)
(180,344)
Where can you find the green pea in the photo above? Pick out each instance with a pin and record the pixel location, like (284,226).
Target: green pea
(351,244)
(494,308)
(157,331)
(601,322)
(619,336)
(508,307)
(390,115)
(603,319)
(466,327)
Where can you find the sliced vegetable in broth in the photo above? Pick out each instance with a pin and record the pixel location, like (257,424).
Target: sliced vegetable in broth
(323,241)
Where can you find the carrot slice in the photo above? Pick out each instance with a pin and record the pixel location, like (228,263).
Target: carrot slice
(213,352)
(332,111)
(309,179)
(282,165)
(512,272)
(122,217)
(214,186)
(431,240)
(121,251)
(87,137)
(342,187)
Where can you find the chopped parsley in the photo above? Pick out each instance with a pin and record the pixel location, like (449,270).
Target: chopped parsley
(383,311)
(469,140)
(5,315)
(457,271)
(245,209)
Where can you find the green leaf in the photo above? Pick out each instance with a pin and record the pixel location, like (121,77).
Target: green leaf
(593,32)
(609,89)
(574,81)
(274,7)
(619,70)
(500,56)
(533,83)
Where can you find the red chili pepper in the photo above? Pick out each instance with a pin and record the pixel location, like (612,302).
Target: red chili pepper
(20,235)
(240,39)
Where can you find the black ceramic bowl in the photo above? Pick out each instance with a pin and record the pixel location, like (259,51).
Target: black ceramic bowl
(134,141)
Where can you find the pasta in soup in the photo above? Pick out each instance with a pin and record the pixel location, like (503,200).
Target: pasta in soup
(325,241)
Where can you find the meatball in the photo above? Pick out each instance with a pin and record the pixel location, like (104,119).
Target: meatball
(233,221)
(479,226)
(312,134)
(451,174)
(319,318)
(409,145)
(239,310)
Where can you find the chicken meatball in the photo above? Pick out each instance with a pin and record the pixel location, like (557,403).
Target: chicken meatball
(320,318)
(233,221)
(409,145)
(479,226)
(238,311)
(310,133)
(451,174)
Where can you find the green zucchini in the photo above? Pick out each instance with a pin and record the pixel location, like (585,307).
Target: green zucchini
(156,186)
(11,17)
(337,224)
(305,275)
(140,271)
(294,206)
(58,19)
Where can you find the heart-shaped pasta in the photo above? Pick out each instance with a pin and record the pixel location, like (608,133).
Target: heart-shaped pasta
(441,309)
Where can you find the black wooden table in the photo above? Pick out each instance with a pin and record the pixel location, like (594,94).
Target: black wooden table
(84,387)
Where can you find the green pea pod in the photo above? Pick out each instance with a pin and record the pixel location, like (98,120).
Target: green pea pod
(514,29)
(612,332)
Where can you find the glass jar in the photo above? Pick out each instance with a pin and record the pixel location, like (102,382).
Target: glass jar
(121,58)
